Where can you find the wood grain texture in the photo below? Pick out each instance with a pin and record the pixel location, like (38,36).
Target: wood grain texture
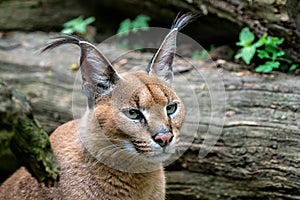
(257,155)
(276,18)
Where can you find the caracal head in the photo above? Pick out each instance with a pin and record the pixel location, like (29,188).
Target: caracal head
(131,116)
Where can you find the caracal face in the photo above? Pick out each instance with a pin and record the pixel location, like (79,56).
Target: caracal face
(143,117)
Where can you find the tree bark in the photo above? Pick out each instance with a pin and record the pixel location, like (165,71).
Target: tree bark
(22,133)
(37,14)
(276,18)
(222,19)
(257,154)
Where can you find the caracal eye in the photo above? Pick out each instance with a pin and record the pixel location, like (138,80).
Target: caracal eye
(171,108)
(134,114)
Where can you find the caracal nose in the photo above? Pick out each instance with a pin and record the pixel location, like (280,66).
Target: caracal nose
(163,139)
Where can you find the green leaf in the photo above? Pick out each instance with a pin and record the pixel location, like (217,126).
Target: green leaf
(293,67)
(272,44)
(124,28)
(274,41)
(280,53)
(270,48)
(80,28)
(67,31)
(200,55)
(248,53)
(77,25)
(89,20)
(238,56)
(246,37)
(267,66)
(140,22)
(73,22)
(263,54)
(275,64)
(261,41)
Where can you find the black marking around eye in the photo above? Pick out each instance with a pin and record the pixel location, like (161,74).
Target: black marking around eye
(167,96)
(160,89)
(149,89)
(136,100)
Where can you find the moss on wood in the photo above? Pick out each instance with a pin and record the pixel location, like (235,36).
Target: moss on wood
(23,134)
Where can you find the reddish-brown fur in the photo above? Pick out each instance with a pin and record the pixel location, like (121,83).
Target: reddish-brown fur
(82,178)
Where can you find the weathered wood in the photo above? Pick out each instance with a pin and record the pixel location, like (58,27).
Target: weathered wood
(224,18)
(277,18)
(22,133)
(257,155)
(37,14)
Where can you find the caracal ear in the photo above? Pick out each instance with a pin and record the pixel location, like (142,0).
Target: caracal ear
(161,63)
(98,76)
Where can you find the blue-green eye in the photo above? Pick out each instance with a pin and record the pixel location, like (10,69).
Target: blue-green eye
(134,114)
(171,108)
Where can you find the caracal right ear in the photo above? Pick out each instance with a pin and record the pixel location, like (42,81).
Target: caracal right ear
(98,75)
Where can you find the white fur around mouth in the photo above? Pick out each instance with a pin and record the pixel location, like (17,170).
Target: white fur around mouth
(158,154)
(160,157)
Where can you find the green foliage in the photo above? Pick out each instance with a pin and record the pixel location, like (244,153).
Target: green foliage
(265,48)
(199,55)
(140,22)
(77,25)
(203,54)
(248,47)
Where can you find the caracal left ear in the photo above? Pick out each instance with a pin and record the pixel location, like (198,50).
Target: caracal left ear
(161,63)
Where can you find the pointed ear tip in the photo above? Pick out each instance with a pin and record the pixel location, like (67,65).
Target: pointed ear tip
(182,20)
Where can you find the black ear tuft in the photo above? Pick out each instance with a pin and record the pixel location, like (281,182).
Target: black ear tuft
(182,20)
(61,40)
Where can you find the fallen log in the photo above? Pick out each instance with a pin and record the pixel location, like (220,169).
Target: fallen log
(22,133)
(276,18)
(255,157)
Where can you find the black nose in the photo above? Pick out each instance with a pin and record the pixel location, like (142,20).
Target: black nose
(163,138)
